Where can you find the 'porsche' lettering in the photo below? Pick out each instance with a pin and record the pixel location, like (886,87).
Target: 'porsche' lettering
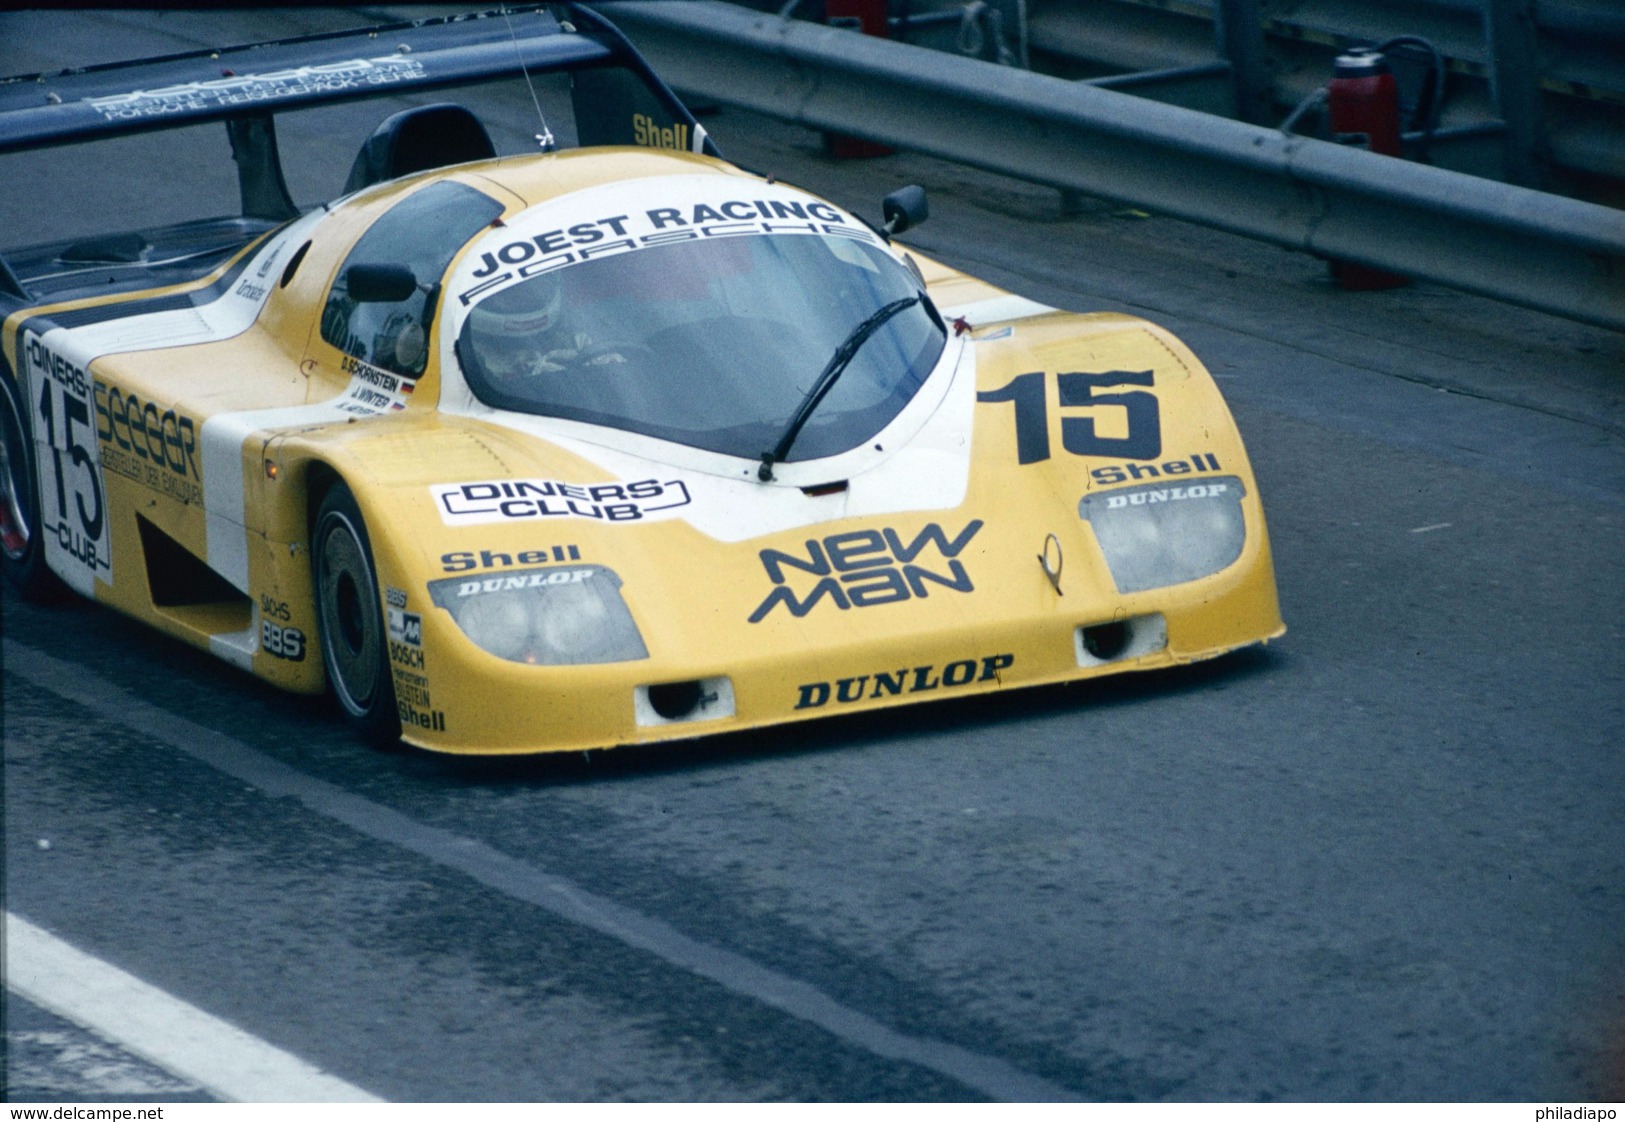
(904,680)
(865,568)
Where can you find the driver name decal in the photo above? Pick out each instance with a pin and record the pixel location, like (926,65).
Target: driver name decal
(522,500)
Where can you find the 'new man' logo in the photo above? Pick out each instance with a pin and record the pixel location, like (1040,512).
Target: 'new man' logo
(864,568)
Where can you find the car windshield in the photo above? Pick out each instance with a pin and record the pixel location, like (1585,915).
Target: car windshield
(712,342)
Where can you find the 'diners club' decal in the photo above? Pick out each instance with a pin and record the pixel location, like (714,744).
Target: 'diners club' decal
(521,500)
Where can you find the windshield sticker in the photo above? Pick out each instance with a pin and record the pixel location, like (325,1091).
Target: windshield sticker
(553,237)
(247,89)
(520,500)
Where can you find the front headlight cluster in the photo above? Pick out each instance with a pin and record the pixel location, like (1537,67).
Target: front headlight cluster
(1164,533)
(552,616)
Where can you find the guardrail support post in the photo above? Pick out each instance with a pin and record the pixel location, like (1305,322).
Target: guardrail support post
(1513,39)
(1238,30)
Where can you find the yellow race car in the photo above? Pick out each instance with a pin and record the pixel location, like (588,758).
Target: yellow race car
(604,444)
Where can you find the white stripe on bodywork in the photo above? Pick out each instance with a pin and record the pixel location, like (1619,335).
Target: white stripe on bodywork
(221,444)
(999,309)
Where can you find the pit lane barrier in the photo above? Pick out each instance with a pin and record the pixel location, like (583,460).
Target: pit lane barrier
(1509,243)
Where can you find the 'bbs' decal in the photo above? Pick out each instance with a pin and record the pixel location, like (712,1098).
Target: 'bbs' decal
(282,642)
(520,500)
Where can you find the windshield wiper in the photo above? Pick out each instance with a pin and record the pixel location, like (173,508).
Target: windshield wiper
(839,361)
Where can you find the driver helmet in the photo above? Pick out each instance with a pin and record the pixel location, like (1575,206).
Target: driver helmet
(509,329)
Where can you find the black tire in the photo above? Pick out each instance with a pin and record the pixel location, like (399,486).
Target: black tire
(22,552)
(350,619)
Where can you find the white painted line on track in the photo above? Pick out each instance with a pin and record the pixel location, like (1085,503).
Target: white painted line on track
(988,1074)
(221,1058)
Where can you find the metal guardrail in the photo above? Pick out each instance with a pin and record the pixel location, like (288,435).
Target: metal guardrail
(1509,243)
(1534,92)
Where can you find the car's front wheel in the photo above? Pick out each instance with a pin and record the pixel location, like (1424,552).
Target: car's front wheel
(355,649)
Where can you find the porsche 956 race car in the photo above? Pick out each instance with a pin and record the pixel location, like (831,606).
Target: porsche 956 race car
(608,443)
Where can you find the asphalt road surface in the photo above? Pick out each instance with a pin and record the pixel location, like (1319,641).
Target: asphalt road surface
(1383,858)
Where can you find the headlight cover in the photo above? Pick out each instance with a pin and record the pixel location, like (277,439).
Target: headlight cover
(1165,533)
(554,616)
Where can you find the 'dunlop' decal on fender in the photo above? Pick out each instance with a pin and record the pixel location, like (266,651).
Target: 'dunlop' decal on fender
(519,500)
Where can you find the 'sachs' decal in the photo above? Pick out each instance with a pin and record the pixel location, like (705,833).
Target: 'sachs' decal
(463,561)
(905,680)
(1124,473)
(73,506)
(864,568)
(249,89)
(153,446)
(519,500)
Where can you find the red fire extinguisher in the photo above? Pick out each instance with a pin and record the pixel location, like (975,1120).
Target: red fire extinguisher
(871,18)
(1362,101)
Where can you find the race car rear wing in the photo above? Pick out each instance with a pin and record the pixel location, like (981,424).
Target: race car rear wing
(245,86)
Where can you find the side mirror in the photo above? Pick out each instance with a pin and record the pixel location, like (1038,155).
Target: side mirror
(380,284)
(904,209)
